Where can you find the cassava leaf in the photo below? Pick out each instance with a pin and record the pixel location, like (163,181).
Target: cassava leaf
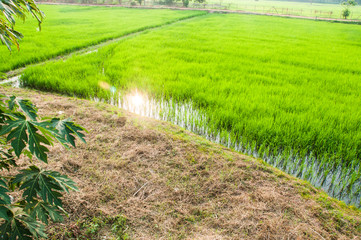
(12,103)
(4,198)
(36,228)
(49,190)
(43,211)
(29,180)
(45,184)
(6,159)
(53,212)
(25,105)
(35,143)
(62,180)
(67,130)
(20,226)
(5,230)
(17,135)
(22,132)
(4,212)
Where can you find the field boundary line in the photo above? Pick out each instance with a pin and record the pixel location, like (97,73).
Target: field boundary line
(93,47)
(340,20)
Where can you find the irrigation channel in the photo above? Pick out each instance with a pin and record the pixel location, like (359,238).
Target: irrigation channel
(337,182)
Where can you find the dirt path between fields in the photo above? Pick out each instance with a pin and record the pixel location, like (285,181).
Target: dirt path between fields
(215,11)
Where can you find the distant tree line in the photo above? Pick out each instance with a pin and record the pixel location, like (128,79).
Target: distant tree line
(183,3)
(319,1)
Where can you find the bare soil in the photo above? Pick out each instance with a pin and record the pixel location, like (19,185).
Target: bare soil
(166,183)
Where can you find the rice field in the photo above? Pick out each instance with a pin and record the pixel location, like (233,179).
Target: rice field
(315,9)
(67,28)
(285,90)
(308,9)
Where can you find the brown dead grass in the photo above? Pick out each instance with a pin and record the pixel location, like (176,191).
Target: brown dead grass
(171,184)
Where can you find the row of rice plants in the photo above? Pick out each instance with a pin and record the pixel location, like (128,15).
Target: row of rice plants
(68,28)
(285,90)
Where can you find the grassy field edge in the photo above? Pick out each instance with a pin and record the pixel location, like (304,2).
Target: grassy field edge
(82,48)
(183,186)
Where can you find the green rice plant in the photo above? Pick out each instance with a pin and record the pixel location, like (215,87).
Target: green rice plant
(286,84)
(68,28)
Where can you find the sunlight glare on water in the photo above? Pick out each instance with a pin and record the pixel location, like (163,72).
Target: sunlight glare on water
(136,99)
(136,102)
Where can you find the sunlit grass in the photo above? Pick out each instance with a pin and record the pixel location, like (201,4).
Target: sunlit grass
(66,28)
(286,89)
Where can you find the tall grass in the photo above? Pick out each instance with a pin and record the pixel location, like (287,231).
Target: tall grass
(286,90)
(67,28)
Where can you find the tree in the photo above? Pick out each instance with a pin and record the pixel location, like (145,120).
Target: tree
(185,3)
(347,4)
(38,191)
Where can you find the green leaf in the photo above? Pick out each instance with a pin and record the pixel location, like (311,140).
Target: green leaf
(4,198)
(43,210)
(46,184)
(21,227)
(17,135)
(62,180)
(36,228)
(12,103)
(35,141)
(53,213)
(21,132)
(6,158)
(10,10)
(5,230)
(25,105)
(67,130)
(3,183)
(4,212)
(28,178)
(49,190)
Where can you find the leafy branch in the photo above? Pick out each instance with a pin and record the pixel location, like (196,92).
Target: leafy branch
(9,11)
(21,132)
